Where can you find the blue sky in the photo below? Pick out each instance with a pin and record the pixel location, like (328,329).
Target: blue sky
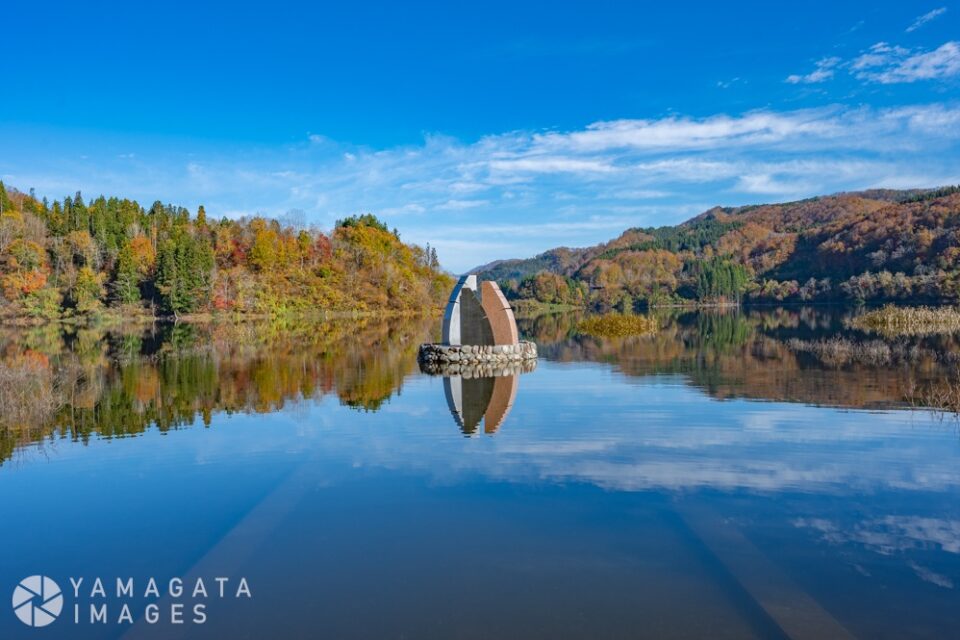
(490,130)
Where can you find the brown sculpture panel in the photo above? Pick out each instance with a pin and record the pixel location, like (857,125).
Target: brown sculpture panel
(499,314)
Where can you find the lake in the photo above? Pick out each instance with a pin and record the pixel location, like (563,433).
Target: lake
(763,473)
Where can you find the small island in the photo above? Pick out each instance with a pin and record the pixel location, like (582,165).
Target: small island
(618,325)
(891,320)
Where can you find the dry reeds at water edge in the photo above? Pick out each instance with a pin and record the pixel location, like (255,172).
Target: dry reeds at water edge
(838,351)
(942,396)
(27,393)
(892,320)
(615,325)
(28,402)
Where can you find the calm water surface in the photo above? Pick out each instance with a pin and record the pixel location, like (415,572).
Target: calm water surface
(729,477)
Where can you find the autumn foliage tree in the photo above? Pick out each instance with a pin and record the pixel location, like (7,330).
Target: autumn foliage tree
(75,257)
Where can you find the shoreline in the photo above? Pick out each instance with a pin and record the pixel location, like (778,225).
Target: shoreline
(117,317)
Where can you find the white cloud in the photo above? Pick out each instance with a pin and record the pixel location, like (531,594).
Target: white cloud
(890,65)
(822,73)
(885,63)
(757,127)
(726,84)
(766,184)
(532,229)
(408,209)
(925,18)
(880,54)
(460,205)
(465,187)
(530,191)
(638,194)
(548,164)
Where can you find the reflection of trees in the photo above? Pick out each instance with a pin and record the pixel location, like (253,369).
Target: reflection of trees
(112,382)
(723,330)
(76,382)
(550,327)
(765,353)
(374,363)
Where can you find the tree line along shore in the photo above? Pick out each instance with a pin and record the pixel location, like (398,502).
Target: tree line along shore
(77,259)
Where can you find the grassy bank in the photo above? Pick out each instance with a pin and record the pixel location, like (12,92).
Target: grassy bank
(112,317)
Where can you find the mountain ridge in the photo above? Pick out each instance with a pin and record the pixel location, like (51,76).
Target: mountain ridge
(862,245)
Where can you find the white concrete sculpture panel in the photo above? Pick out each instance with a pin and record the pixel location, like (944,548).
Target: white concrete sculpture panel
(478,314)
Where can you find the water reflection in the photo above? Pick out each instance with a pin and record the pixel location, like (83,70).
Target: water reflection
(474,399)
(75,382)
(481,392)
(798,354)
(78,382)
(688,471)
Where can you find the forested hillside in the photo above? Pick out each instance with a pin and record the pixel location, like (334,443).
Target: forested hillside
(872,245)
(74,257)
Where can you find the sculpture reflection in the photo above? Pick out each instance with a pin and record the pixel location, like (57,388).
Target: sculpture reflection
(478,394)
(474,399)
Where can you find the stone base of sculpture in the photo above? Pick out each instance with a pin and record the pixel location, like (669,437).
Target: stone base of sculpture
(444,359)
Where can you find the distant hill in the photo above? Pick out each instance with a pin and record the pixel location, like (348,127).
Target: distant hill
(879,244)
(555,261)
